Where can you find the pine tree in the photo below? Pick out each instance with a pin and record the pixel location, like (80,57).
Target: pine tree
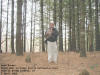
(31,26)
(73,27)
(7,27)
(60,27)
(19,50)
(82,30)
(1,27)
(12,28)
(70,27)
(97,31)
(42,25)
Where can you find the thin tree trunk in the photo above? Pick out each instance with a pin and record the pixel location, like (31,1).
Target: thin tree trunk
(12,28)
(73,27)
(22,34)
(90,38)
(82,30)
(19,50)
(47,24)
(42,26)
(25,6)
(7,27)
(70,27)
(78,28)
(1,27)
(23,25)
(60,27)
(65,27)
(87,34)
(49,11)
(97,32)
(34,28)
(54,12)
(65,33)
(31,27)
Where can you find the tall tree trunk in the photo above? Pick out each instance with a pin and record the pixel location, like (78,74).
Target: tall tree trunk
(22,34)
(7,27)
(65,32)
(99,15)
(78,28)
(49,11)
(65,27)
(23,22)
(31,27)
(82,30)
(1,27)
(42,26)
(54,12)
(90,31)
(87,34)
(19,50)
(34,28)
(60,27)
(73,27)
(70,27)
(12,28)
(97,32)
(25,7)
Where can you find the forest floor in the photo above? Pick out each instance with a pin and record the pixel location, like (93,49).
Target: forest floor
(69,63)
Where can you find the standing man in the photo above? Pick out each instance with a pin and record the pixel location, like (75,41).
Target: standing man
(51,41)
